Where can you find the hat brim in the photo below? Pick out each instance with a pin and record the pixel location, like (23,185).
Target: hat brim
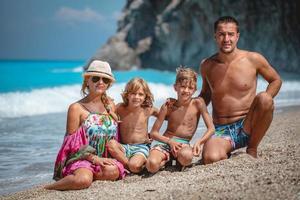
(100,75)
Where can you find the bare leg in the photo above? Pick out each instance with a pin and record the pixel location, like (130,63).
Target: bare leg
(185,156)
(136,163)
(82,178)
(109,172)
(117,151)
(155,161)
(216,149)
(258,121)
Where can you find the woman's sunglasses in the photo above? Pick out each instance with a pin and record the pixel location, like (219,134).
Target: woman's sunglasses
(95,79)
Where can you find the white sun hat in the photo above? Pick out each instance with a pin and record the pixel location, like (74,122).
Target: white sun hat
(99,68)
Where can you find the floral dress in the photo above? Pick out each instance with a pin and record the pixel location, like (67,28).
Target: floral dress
(91,137)
(100,128)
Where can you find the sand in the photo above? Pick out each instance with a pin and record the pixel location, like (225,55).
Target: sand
(274,175)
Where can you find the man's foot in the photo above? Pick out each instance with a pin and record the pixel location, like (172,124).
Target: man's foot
(252,152)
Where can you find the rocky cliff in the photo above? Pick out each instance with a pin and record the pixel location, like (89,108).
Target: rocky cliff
(165,34)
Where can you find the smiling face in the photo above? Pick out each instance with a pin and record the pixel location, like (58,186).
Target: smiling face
(98,84)
(137,98)
(137,93)
(227,36)
(185,90)
(185,83)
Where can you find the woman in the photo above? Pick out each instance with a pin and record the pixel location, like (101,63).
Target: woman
(91,123)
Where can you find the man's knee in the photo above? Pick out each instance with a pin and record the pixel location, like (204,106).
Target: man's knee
(265,101)
(185,156)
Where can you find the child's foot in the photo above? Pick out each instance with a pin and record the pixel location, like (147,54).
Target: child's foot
(252,152)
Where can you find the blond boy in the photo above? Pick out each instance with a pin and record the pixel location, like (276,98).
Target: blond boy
(183,115)
(134,113)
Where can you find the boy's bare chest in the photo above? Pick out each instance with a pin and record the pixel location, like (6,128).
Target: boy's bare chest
(181,115)
(132,120)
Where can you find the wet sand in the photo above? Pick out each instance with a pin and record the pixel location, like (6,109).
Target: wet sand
(274,175)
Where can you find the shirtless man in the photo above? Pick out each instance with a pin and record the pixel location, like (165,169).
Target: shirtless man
(241,116)
(134,114)
(182,115)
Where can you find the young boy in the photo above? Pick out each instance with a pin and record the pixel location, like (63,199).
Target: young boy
(134,113)
(183,116)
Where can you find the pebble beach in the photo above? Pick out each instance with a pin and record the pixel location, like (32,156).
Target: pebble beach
(274,175)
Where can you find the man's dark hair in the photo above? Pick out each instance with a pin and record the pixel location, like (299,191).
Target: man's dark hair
(226,19)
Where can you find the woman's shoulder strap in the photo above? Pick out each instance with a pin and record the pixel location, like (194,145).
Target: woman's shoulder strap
(84,107)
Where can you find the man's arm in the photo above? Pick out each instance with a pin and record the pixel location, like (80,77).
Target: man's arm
(205,90)
(268,73)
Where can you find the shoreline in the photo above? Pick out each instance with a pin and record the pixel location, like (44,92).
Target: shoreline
(274,175)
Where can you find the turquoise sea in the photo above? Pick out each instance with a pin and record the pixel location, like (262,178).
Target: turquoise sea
(34,97)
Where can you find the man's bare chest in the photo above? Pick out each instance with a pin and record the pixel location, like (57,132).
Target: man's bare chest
(223,78)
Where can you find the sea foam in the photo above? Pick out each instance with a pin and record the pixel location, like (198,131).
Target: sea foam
(57,99)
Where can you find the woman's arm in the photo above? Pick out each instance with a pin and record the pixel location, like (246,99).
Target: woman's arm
(73,118)
(96,160)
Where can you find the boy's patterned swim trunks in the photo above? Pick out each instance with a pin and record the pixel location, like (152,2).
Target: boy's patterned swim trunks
(165,148)
(133,149)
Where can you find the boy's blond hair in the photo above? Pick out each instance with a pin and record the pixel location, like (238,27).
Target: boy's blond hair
(185,73)
(133,86)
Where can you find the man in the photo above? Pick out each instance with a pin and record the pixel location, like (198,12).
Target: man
(241,116)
